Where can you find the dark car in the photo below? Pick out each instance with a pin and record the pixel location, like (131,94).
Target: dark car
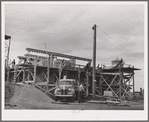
(66,89)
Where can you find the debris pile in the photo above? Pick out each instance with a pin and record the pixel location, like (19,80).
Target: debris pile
(28,96)
(9,91)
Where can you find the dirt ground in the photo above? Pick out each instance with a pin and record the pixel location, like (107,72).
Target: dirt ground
(29,97)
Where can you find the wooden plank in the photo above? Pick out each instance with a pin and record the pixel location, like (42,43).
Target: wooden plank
(110,73)
(19,73)
(96,102)
(34,56)
(23,74)
(41,83)
(51,84)
(28,76)
(50,89)
(35,71)
(57,54)
(87,88)
(48,70)
(50,94)
(120,79)
(40,88)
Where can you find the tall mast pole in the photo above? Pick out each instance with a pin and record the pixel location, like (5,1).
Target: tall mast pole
(94,63)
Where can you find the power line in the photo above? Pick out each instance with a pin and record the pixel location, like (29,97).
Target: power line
(115,47)
(119,44)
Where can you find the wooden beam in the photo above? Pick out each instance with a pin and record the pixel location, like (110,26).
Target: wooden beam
(40,88)
(100,82)
(31,55)
(133,84)
(87,79)
(110,73)
(48,69)
(35,70)
(57,54)
(28,74)
(120,82)
(51,89)
(60,70)
(23,75)
(51,60)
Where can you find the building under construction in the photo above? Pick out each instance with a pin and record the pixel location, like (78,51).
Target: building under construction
(115,80)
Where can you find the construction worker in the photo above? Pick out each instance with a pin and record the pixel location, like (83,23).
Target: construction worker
(87,67)
(80,91)
(13,63)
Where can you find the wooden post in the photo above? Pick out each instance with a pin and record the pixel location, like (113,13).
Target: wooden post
(51,60)
(15,74)
(87,79)
(35,70)
(28,74)
(48,69)
(60,70)
(133,83)
(94,63)
(79,77)
(120,79)
(100,82)
(24,75)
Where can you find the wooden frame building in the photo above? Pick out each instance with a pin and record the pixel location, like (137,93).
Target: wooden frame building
(45,71)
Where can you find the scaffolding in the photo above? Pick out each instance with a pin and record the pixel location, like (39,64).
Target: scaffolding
(45,72)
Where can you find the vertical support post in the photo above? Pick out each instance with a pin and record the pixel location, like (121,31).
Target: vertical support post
(94,63)
(60,70)
(51,60)
(87,79)
(120,79)
(133,83)
(15,74)
(28,74)
(24,75)
(35,63)
(100,81)
(48,69)
(79,76)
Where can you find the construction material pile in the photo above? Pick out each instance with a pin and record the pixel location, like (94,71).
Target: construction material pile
(27,96)
(9,91)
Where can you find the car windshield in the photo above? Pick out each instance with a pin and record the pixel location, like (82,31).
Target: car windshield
(65,83)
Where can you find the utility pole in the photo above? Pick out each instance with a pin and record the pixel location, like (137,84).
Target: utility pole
(94,63)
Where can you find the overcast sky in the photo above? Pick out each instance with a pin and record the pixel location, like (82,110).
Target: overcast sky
(67,28)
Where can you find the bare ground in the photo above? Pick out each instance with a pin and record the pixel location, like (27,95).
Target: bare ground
(29,97)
